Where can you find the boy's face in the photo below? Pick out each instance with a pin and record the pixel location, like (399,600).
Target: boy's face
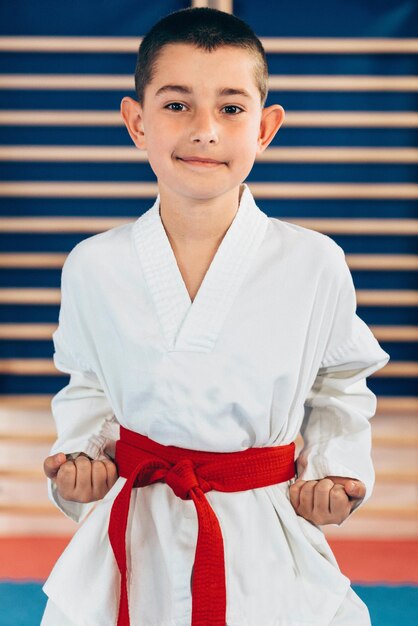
(175,125)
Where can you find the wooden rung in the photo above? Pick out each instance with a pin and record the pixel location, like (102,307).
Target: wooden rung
(394,369)
(286,82)
(323,154)
(19,473)
(386,297)
(311,82)
(398,441)
(81,224)
(300,190)
(29,438)
(395,333)
(272,45)
(354,226)
(397,405)
(24,367)
(400,476)
(42,260)
(347,119)
(113,118)
(28,331)
(25,402)
(72,224)
(30,296)
(382,261)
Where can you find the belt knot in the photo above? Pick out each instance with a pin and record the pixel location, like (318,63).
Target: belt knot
(181,477)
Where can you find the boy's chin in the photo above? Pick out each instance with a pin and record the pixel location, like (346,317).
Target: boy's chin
(203,190)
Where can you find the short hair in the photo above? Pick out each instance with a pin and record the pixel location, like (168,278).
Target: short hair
(205,28)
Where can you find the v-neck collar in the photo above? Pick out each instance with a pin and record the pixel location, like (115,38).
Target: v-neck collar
(195,326)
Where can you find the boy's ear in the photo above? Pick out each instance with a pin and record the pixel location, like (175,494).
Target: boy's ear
(131,112)
(272,118)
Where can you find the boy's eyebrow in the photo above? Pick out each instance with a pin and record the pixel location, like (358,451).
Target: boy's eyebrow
(225,91)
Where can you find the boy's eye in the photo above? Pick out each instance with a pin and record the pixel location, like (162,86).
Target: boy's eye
(233,106)
(179,104)
(174,104)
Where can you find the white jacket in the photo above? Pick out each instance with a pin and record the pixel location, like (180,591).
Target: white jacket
(270,346)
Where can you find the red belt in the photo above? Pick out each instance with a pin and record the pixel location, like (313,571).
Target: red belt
(190,474)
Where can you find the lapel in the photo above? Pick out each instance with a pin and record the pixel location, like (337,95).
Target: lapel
(195,326)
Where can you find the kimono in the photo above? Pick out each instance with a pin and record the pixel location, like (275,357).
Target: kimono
(271,346)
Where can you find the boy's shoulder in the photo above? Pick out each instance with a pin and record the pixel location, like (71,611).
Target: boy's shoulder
(100,248)
(306,241)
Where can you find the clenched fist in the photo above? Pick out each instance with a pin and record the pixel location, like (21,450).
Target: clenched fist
(82,479)
(326,501)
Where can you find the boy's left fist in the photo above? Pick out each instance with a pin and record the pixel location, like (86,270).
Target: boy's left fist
(326,501)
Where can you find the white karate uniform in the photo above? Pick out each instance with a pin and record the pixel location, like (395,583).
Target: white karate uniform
(270,346)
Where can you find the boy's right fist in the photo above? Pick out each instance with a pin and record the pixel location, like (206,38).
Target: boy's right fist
(81,480)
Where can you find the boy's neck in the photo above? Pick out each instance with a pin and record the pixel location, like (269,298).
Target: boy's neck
(201,223)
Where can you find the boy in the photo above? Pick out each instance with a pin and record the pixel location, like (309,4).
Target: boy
(202,337)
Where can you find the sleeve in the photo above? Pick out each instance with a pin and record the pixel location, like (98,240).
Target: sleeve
(74,455)
(336,427)
(83,416)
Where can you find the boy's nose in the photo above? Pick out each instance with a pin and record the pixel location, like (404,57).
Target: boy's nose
(203,136)
(203,129)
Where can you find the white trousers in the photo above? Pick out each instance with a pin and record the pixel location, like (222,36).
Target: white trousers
(352,612)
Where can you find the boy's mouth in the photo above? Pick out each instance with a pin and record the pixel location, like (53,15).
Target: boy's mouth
(200,160)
